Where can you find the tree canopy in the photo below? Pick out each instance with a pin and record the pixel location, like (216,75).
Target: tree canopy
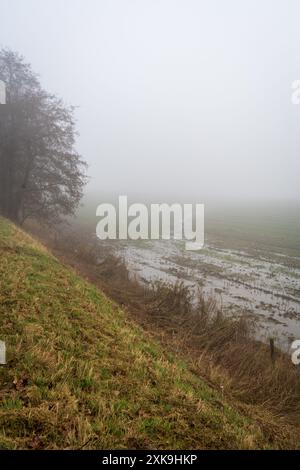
(41,174)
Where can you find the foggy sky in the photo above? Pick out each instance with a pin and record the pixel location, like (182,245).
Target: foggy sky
(181,99)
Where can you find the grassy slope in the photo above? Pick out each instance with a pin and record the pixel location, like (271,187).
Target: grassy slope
(81,373)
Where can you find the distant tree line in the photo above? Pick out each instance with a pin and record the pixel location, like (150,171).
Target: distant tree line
(41,174)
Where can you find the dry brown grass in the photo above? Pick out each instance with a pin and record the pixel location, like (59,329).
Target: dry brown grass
(222,348)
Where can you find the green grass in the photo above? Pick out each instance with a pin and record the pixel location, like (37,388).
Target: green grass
(81,373)
(271,228)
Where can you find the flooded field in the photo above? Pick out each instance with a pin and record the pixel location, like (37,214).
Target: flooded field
(250,263)
(256,286)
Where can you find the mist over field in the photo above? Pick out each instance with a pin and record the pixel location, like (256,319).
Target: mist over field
(175,100)
(182,102)
(149,226)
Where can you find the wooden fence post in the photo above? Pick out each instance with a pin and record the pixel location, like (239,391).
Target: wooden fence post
(272,350)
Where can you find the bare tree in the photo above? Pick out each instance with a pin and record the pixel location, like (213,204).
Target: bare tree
(41,174)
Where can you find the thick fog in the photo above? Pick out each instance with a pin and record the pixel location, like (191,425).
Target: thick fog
(176,98)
